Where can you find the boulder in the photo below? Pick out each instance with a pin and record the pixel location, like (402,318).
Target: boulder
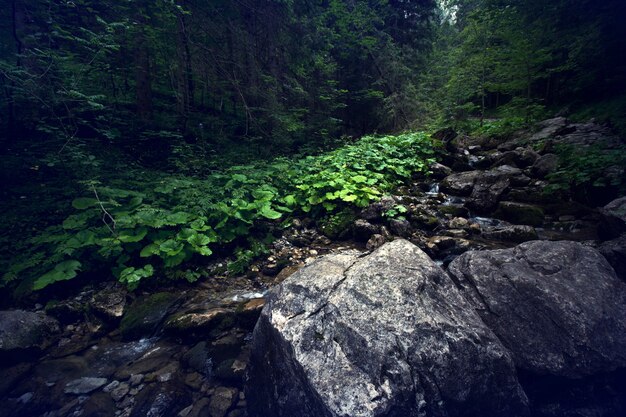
(613,221)
(557,306)
(24,332)
(615,252)
(364,230)
(387,334)
(545,165)
(516,233)
(519,213)
(490,185)
(460,184)
(439,171)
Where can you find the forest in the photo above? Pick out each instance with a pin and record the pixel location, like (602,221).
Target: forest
(156,147)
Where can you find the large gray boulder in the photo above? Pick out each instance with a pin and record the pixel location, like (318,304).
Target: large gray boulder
(557,306)
(613,221)
(24,332)
(387,334)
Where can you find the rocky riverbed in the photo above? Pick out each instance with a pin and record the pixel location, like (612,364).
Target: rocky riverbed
(456,317)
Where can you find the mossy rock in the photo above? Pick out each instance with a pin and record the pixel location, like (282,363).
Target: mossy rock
(519,213)
(337,225)
(145,314)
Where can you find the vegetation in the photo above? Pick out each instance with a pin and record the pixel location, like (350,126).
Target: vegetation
(163,220)
(144,136)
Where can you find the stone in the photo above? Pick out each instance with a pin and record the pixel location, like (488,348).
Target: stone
(109,303)
(111,386)
(160,400)
(439,171)
(135,379)
(222,400)
(615,252)
(516,234)
(489,187)
(458,223)
(557,306)
(197,358)
(376,210)
(200,322)
(613,221)
(120,391)
(146,314)
(400,227)
(384,334)
(84,385)
(519,213)
(460,184)
(364,230)
(545,165)
(23,333)
(249,311)
(375,242)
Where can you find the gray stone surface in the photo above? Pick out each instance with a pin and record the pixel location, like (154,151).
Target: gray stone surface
(386,334)
(84,385)
(22,330)
(557,306)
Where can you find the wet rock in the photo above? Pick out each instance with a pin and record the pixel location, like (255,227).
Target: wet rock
(200,322)
(557,306)
(490,185)
(135,379)
(520,158)
(120,391)
(458,223)
(222,400)
(337,339)
(375,242)
(66,311)
(197,358)
(248,313)
(363,230)
(160,400)
(109,303)
(231,370)
(155,359)
(24,333)
(615,252)
(84,385)
(460,184)
(613,221)
(517,234)
(519,213)
(146,314)
(439,171)
(99,404)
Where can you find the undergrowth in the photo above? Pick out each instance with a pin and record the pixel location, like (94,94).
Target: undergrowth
(150,222)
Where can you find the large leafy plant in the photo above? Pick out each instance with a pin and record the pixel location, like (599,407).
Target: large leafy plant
(149,222)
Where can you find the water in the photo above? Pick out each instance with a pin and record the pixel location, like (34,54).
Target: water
(434,189)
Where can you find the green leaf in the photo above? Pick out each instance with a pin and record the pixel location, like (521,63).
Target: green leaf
(132,236)
(131,276)
(171,247)
(64,271)
(269,213)
(83,203)
(149,250)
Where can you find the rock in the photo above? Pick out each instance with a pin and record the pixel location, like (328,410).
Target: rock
(197,358)
(615,252)
(519,213)
(66,311)
(613,221)
(24,333)
(445,135)
(120,391)
(248,313)
(520,158)
(517,234)
(439,171)
(135,379)
(160,400)
(99,404)
(490,185)
(337,225)
(363,230)
(109,303)
(375,242)
(458,223)
(12,375)
(545,165)
(387,334)
(400,227)
(200,322)
(222,400)
(557,306)
(460,184)
(84,385)
(111,386)
(145,314)
(376,210)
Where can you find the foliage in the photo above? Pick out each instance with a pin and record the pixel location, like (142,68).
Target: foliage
(146,222)
(587,168)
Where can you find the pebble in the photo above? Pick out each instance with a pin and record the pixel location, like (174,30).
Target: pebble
(135,379)
(111,386)
(120,392)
